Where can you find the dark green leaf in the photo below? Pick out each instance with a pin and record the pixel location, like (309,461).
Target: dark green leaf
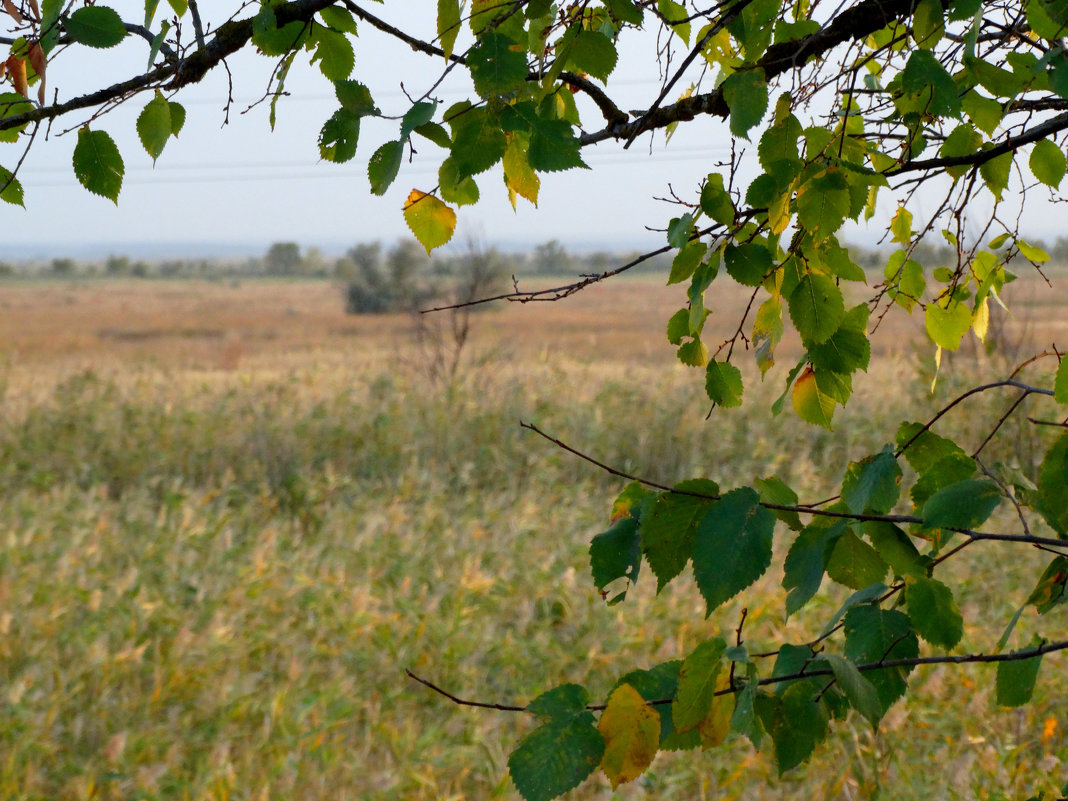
(716,201)
(556,757)
(748,263)
(1016,679)
(925,448)
(554,147)
(616,554)
(564,701)
(355,97)
(98,165)
(796,721)
(873,484)
(679,230)
(806,562)
(925,78)
(274,42)
(745,720)
(478,140)
(864,596)
(384,165)
(933,611)
(418,115)
(848,349)
(774,490)
(686,261)
(11,191)
(732,548)
(823,204)
(1053,486)
(498,65)
(668,526)
(95,26)
(874,634)
(952,469)
(697,685)
(816,308)
(339,135)
(964,505)
(630,502)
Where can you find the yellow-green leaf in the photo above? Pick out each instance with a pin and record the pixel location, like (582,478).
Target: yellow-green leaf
(519,176)
(448,24)
(430,220)
(631,731)
(810,403)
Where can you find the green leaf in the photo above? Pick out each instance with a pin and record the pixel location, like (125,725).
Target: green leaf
(745,719)
(944,473)
(668,526)
(339,135)
(748,263)
(497,64)
(873,635)
(339,19)
(177,117)
(895,547)
(823,204)
(1016,679)
(806,560)
(873,484)
(461,190)
(732,548)
(964,505)
(417,116)
(723,383)
(656,684)
(1060,383)
(430,220)
(928,26)
(12,188)
(933,611)
(816,308)
(768,329)
(564,701)
(592,52)
(616,554)
(864,596)
(774,490)
(860,692)
(95,26)
(1048,163)
(746,95)
(679,230)
(334,53)
(796,721)
(98,165)
(384,165)
(697,685)
(925,78)
(448,24)
(686,261)
(556,757)
(672,11)
(854,563)
(554,147)
(995,172)
(355,97)
(273,41)
(848,349)
(716,201)
(925,448)
(984,113)
(631,501)
(154,125)
(999,82)
(1053,486)
(947,321)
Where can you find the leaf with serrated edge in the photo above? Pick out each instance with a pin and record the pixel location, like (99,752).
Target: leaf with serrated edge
(556,757)
(430,220)
(732,548)
(154,126)
(631,731)
(98,165)
(697,684)
(933,611)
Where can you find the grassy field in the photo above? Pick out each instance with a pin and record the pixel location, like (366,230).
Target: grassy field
(232,515)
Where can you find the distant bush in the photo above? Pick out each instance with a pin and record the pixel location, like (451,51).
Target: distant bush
(379,285)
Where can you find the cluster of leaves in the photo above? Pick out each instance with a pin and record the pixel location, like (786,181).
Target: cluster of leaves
(843,107)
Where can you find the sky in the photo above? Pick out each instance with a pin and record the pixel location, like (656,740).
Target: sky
(236,187)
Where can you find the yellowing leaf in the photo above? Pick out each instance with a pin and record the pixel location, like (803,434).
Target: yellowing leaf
(430,220)
(715,727)
(519,176)
(631,731)
(981,319)
(812,405)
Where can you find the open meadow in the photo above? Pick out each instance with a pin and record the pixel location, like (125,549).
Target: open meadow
(231,515)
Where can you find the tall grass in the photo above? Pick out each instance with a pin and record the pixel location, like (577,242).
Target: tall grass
(209,588)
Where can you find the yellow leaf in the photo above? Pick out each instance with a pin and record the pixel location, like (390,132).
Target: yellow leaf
(717,725)
(981,319)
(431,221)
(779,213)
(631,730)
(519,176)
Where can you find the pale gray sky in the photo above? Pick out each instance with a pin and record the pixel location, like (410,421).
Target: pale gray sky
(244,184)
